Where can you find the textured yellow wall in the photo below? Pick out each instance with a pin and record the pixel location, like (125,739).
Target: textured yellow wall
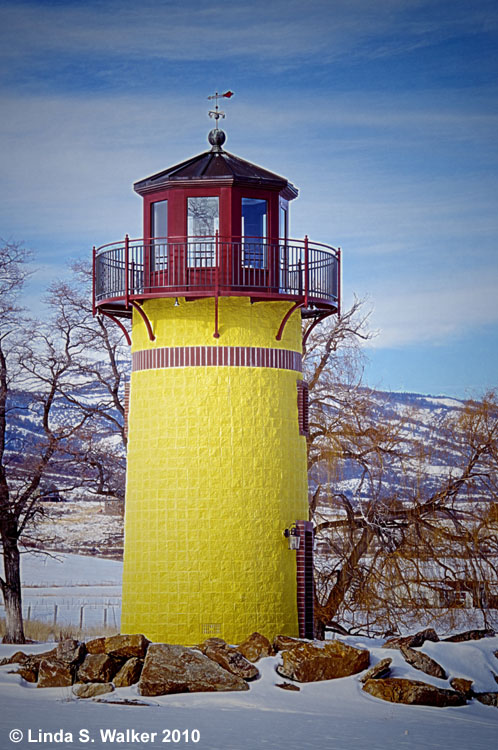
(216,472)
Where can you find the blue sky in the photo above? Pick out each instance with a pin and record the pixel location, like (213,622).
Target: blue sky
(384,114)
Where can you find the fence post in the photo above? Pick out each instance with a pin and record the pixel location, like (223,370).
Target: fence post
(55,615)
(81,617)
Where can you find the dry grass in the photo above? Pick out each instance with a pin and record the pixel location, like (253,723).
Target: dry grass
(36,630)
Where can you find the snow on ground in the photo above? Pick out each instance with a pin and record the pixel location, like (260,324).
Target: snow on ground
(333,714)
(86,590)
(330,715)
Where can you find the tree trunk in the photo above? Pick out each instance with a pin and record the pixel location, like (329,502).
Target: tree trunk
(326,612)
(11,590)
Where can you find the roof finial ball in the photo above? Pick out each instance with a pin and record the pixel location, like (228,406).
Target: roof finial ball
(216,136)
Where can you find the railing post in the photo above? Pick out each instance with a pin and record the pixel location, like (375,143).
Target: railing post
(306,269)
(94,307)
(127,294)
(339,271)
(216,333)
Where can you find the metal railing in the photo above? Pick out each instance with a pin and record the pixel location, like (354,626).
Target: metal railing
(191,266)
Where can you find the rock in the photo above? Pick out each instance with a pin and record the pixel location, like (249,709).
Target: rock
(232,660)
(489,699)
(413,641)
(129,673)
(29,670)
(284,642)
(211,642)
(98,668)
(18,658)
(413,692)
(70,651)
(462,686)
(287,686)
(470,635)
(126,646)
(381,669)
(96,646)
(91,689)
(495,653)
(310,663)
(254,647)
(177,669)
(424,663)
(55,673)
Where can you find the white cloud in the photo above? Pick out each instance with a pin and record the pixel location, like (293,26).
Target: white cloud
(281,31)
(445,309)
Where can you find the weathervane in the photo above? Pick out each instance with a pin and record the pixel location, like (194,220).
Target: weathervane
(216,113)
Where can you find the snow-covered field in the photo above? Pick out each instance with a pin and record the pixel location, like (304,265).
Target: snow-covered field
(333,715)
(72,589)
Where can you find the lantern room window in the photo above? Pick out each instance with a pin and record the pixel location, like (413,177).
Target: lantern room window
(159,234)
(283,222)
(203,219)
(254,228)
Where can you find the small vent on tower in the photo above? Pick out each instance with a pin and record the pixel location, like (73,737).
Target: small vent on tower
(211,628)
(303,407)
(126,406)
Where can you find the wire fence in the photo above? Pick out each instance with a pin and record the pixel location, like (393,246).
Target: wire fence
(79,615)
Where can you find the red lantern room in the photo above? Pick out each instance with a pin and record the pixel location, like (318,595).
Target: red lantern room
(216,225)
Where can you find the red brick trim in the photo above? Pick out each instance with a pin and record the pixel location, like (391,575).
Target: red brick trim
(126,406)
(305,592)
(303,407)
(216,356)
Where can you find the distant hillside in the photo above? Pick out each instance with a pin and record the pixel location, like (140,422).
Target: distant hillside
(423,418)
(71,531)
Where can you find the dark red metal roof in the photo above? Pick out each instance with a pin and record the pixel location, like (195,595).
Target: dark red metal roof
(217,165)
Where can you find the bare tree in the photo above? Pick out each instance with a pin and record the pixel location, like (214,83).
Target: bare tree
(72,404)
(391,528)
(35,370)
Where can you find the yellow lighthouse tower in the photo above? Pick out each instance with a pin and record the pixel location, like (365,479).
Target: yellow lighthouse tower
(217,540)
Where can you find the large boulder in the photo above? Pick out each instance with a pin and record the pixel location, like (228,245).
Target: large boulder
(471,635)
(55,673)
(29,670)
(489,699)
(381,669)
(177,669)
(424,663)
(126,646)
(284,642)
(18,658)
(70,651)
(310,663)
(413,641)
(96,645)
(231,660)
(98,668)
(91,689)
(255,647)
(462,686)
(129,673)
(413,692)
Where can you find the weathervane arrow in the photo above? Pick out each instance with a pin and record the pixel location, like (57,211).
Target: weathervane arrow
(216,113)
